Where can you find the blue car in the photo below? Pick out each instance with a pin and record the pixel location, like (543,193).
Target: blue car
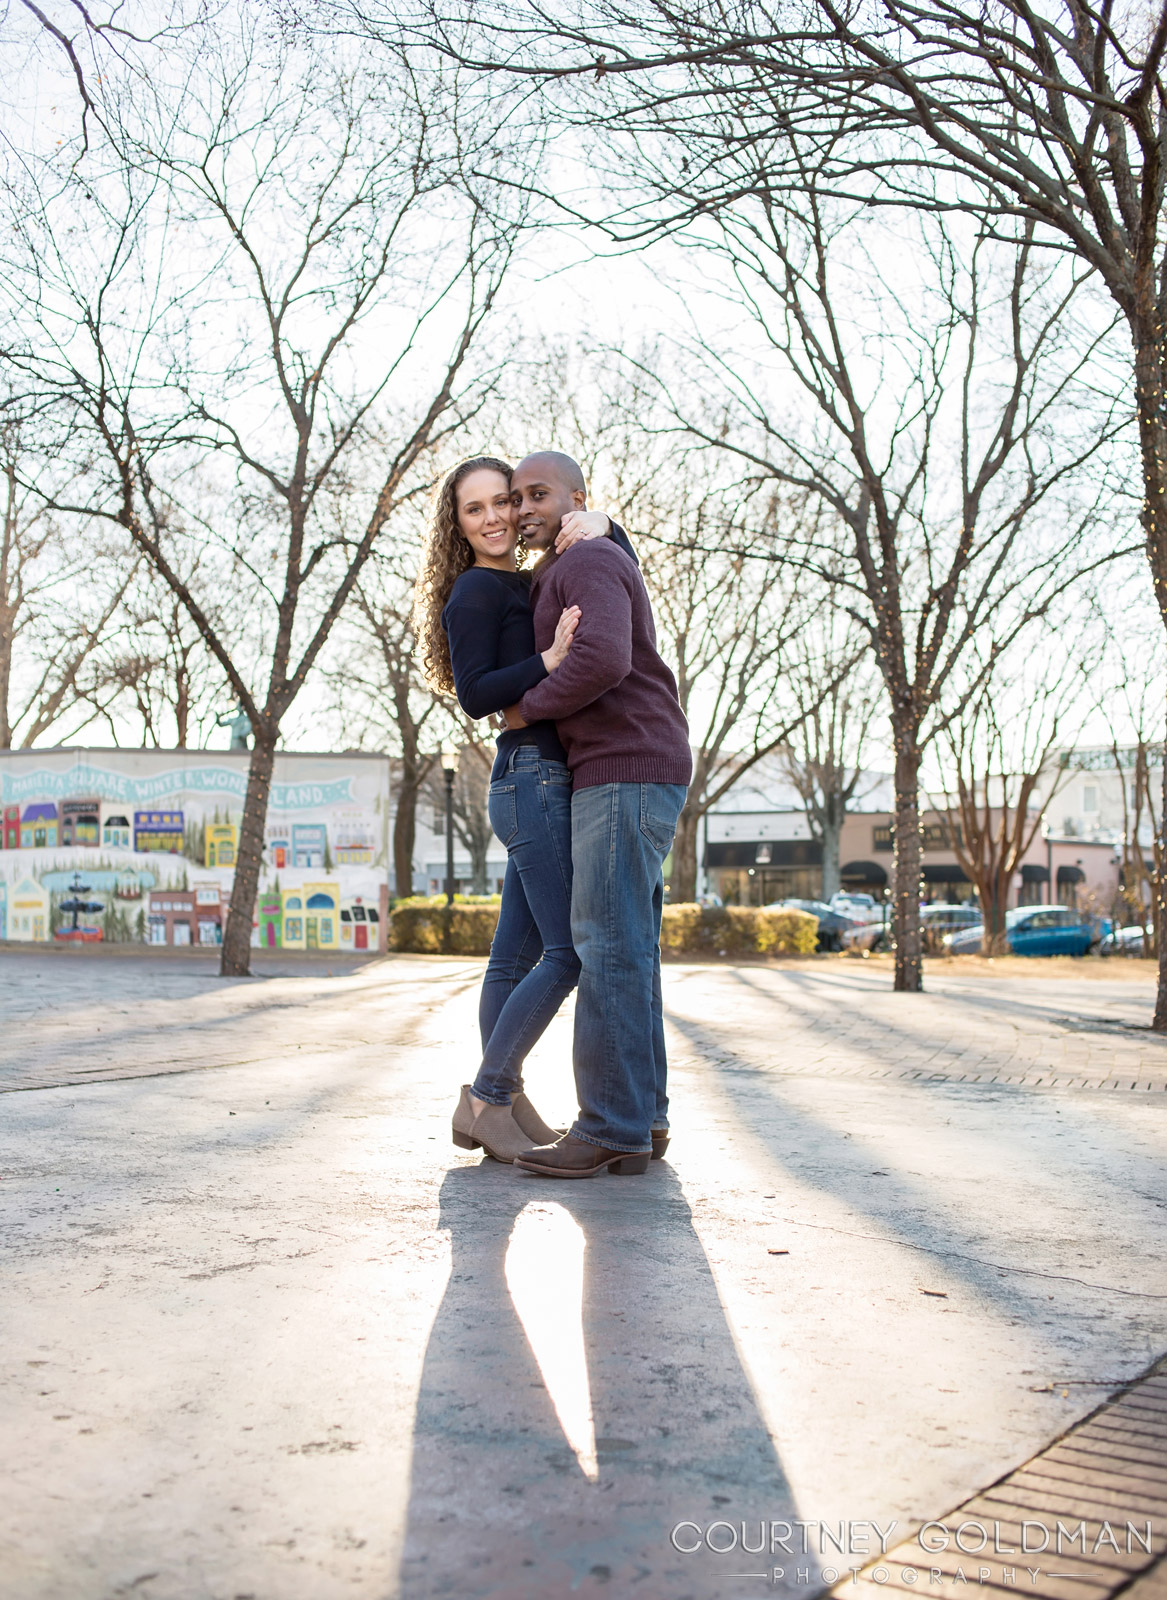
(1033,931)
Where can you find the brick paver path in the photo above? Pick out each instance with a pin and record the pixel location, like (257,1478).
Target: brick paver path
(1081,1519)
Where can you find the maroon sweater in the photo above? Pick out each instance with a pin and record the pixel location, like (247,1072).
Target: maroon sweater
(613,700)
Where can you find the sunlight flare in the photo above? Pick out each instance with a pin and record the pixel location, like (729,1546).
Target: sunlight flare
(544,1273)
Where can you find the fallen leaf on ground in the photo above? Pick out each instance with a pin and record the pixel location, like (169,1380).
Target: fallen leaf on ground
(937,1294)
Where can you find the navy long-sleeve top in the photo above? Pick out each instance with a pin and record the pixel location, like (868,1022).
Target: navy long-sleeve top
(491,632)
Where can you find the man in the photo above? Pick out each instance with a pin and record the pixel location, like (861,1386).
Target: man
(615,705)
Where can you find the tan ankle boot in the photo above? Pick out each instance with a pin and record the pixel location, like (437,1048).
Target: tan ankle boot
(463,1121)
(494,1129)
(531,1122)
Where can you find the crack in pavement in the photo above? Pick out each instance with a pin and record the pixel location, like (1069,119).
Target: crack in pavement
(957,1255)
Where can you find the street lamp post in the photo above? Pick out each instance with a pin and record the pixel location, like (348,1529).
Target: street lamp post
(449,768)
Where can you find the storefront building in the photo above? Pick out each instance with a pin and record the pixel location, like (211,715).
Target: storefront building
(762,857)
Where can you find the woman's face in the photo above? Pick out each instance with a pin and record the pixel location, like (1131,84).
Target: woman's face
(487,517)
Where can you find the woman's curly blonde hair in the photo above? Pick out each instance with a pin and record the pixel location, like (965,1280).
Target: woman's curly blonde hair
(445,556)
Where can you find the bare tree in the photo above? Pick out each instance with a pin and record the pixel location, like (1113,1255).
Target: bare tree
(414,709)
(997,755)
(824,756)
(471,820)
(161,673)
(60,606)
(336,209)
(1141,798)
(382,697)
(1132,708)
(725,624)
(945,449)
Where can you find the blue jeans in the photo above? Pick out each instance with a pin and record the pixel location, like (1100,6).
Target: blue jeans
(620,836)
(532,966)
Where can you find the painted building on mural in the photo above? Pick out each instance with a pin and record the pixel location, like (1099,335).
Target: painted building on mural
(270,915)
(28,911)
(311,917)
(359,925)
(222,844)
(141,846)
(186,916)
(80,822)
(38,826)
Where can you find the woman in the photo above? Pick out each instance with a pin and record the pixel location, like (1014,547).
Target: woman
(473,621)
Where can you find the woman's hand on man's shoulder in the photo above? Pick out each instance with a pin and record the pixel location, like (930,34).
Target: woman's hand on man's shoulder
(579,525)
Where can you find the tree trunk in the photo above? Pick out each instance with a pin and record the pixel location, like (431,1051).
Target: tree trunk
(182,703)
(1159,899)
(478,878)
(830,831)
(7,610)
(1149,391)
(5,680)
(236,959)
(683,875)
(909,968)
(405,831)
(993,897)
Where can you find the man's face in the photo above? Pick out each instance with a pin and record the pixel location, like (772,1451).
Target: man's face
(541,501)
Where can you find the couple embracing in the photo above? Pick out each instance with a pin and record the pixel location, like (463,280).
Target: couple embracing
(590,777)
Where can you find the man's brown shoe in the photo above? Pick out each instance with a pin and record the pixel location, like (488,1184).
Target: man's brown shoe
(660,1139)
(576,1158)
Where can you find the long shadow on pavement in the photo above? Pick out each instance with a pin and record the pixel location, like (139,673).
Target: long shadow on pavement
(1013,999)
(506,1499)
(901,1208)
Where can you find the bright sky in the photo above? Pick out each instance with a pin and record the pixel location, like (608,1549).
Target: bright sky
(561,288)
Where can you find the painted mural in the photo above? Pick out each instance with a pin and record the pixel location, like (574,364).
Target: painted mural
(140,846)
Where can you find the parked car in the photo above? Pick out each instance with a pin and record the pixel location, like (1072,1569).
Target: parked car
(1034,931)
(936,922)
(832,924)
(874,934)
(1130,941)
(864,906)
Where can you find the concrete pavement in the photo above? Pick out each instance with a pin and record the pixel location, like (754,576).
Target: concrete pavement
(267,1333)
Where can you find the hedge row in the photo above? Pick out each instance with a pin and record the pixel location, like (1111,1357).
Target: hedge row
(737,931)
(426,927)
(429,927)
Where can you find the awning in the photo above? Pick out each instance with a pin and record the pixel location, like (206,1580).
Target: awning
(1033,872)
(765,853)
(856,872)
(942,872)
(1070,875)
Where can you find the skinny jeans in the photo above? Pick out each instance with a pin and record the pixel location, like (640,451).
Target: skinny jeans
(533,965)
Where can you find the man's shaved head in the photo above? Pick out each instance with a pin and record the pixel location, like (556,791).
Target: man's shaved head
(553,463)
(546,487)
